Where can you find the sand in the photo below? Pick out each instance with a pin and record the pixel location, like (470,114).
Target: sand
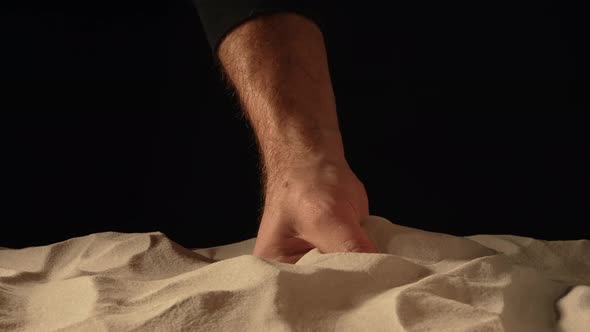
(422,281)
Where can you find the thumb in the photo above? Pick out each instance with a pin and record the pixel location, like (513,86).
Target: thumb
(342,237)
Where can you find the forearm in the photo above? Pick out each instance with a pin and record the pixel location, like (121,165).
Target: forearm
(278,67)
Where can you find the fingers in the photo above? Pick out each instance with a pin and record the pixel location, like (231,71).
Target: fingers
(338,236)
(328,237)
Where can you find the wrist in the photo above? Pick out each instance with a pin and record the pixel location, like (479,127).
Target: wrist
(320,163)
(307,150)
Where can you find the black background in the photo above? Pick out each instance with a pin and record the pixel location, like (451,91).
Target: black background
(460,118)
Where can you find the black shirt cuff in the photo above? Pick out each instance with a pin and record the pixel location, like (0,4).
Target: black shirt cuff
(219,17)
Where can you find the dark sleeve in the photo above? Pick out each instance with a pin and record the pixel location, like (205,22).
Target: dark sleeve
(219,17)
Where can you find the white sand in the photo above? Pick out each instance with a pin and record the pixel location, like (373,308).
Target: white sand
(422,282)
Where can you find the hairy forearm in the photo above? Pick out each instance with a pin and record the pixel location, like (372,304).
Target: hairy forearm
(278,67)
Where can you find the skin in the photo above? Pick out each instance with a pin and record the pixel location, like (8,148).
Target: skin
(278,66)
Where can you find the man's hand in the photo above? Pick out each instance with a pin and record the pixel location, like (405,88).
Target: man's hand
(318,205)
(278,66)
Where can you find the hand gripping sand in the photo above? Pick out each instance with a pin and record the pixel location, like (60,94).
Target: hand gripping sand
(422,281)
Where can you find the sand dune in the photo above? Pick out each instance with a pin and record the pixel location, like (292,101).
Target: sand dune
(422,281)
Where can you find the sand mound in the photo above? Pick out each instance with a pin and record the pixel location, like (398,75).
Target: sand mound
(422,281)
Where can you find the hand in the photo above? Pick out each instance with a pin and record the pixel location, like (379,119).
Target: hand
(319,205)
